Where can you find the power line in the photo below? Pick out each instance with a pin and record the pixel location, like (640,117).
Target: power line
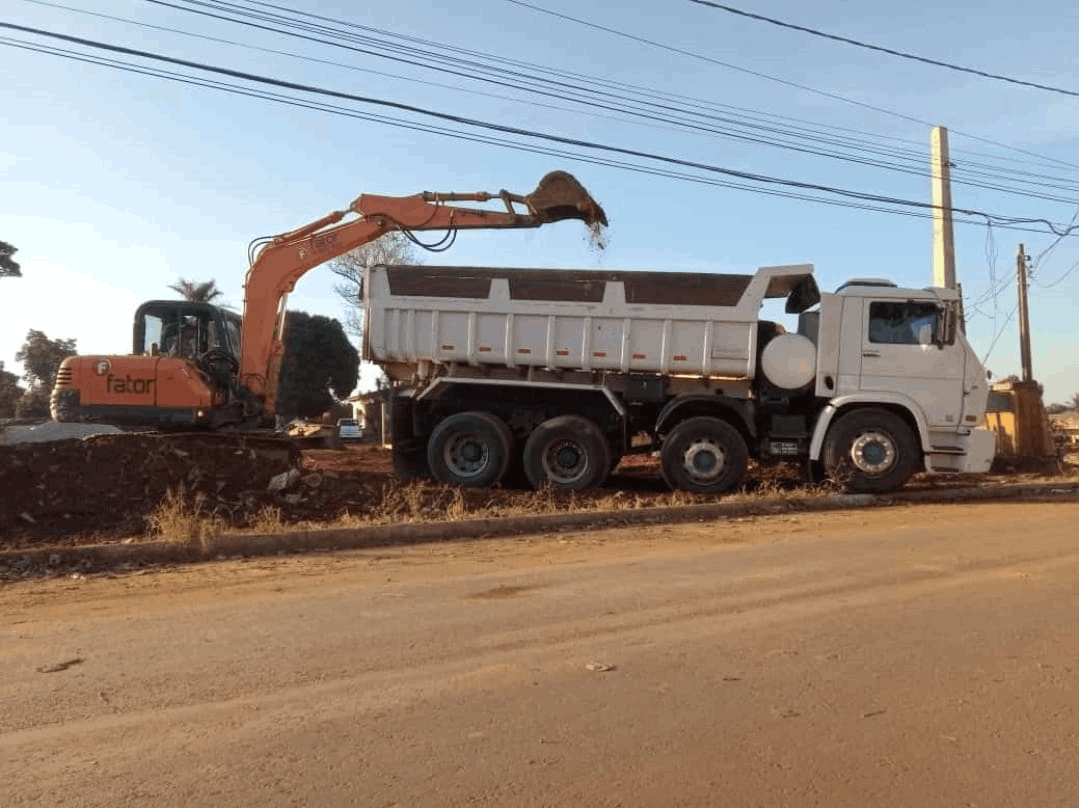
(849,196)
(815,91)
(867,46)
(999,334)
(427,128)
(850,150)
(708,124)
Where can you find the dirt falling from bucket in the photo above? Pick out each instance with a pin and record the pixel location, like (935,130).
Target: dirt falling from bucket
(598,237)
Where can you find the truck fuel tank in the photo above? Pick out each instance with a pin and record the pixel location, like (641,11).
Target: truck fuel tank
(789,361)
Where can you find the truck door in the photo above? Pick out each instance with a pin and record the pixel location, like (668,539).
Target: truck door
(903,351)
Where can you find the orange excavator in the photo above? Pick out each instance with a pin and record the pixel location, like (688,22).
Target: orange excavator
(194,365)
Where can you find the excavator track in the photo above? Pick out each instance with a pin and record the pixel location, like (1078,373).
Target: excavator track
(121,479)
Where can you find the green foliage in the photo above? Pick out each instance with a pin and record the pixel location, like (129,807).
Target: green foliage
(8,267)
(205,292)
(319,366)
(10,392)
(41,358)
(34,403)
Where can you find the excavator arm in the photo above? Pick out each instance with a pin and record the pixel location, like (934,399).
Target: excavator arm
(283,260)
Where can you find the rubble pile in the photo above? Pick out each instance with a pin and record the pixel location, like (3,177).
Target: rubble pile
(110,488)
(110,484)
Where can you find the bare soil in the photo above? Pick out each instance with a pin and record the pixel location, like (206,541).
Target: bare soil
(86,492)
(914,656)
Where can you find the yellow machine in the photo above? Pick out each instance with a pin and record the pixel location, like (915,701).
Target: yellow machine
(1017,416)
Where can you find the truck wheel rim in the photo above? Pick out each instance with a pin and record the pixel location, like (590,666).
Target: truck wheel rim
(468,455)
(704,461)
(873,452)
(565,462)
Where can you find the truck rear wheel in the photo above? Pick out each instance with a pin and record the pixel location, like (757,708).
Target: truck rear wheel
(470,449)
(870,451)
(568,453)
(704,455)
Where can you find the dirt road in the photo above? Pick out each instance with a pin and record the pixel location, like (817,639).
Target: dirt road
(917,656)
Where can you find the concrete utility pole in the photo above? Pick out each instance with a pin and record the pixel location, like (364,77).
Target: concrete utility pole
(1024,315)
(943,236)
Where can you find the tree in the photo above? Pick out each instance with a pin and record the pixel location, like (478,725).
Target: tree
(205,292)
(41,358)
(319,366)
(10,392)
(392,248)
(8,267)
(1074,401)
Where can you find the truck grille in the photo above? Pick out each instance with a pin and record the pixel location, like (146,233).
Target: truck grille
(63,377)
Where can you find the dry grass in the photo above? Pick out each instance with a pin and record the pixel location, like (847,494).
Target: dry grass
(181,518)
(268,520)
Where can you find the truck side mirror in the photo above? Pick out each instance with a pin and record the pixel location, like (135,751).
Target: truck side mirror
(946,327)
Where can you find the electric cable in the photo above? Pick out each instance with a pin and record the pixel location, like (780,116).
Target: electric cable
(815,135)
(880,49)
(806,88)
(565,141)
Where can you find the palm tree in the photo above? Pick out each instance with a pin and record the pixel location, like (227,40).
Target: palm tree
(198,292)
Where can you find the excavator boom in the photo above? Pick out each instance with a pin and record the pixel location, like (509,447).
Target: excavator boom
(284,259)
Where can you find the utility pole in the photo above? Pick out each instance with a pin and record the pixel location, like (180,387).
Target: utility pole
(943,236)
(1024,315)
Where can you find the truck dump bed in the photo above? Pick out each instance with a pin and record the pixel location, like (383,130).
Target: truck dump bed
(686,324)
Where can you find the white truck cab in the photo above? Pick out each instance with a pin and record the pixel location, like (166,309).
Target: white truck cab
(877,343)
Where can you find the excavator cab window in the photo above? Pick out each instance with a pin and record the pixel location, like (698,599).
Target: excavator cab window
(182,336)
(185,329)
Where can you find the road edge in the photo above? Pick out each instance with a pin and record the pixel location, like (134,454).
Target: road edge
(105,556)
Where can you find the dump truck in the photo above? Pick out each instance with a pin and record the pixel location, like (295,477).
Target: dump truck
(557,374)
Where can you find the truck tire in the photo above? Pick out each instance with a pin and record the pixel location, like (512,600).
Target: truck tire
(870,451)
(704,455)
(569,453)
(470,449)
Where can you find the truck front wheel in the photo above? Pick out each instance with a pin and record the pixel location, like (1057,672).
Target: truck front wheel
(568,452)
(704,455)
(470,449)
(870,451)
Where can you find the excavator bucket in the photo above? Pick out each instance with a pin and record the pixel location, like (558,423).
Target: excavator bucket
(560,196)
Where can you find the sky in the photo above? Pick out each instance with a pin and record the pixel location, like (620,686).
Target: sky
(118,183)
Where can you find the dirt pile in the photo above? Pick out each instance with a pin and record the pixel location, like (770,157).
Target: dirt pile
(113,488)
(111,483)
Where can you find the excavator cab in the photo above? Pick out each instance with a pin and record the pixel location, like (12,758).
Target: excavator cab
(185,329)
